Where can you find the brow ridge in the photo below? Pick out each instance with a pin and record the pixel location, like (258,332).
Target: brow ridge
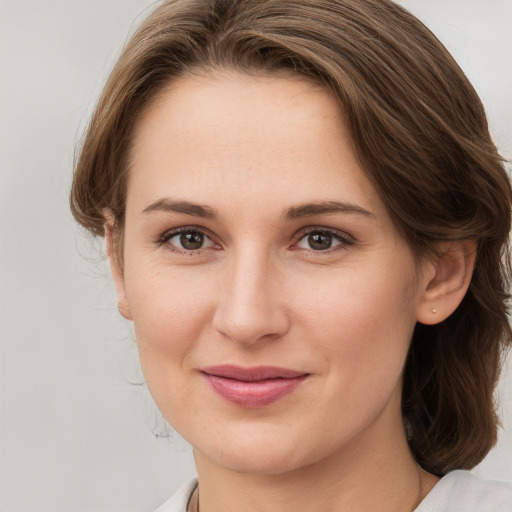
(325,207)
(186,207)
(296,212)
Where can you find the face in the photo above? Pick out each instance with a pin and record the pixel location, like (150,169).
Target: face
(272,297)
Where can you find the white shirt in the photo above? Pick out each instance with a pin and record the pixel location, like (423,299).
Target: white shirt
(179,500)
(461,491)
(458,491)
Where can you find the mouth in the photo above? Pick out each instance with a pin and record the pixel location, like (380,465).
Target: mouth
(254,387)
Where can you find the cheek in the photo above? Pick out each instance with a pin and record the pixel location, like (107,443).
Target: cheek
(164,324)
(362,322)
(358,300)
(170,314)
(165,302)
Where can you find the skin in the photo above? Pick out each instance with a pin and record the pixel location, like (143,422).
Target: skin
(252,150)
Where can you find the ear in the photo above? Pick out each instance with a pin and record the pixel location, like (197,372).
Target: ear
(116,268)
(447,280)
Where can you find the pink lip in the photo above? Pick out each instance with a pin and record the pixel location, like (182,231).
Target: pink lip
(252,387)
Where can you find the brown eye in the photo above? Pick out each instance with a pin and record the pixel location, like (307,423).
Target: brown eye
(319,241)
(192,240)
(187,240)
(322,240)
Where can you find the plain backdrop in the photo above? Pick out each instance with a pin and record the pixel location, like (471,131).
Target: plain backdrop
(78,430)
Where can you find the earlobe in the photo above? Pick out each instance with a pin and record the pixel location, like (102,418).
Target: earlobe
(117,270)
(447,282)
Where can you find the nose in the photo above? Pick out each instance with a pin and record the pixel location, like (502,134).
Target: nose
(251,305)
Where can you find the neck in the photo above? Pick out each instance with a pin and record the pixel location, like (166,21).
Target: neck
(378,474)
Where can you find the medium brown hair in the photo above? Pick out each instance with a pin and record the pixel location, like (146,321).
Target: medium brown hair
(421,135)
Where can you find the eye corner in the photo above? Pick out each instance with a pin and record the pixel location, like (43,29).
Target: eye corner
(328,240)
(198,238)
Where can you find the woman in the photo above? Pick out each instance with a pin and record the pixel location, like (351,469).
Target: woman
(307,222)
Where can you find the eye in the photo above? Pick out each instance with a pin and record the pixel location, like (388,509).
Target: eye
(187,240)
(322,240)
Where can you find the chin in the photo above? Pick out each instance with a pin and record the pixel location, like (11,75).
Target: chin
(256,455)
(258,464)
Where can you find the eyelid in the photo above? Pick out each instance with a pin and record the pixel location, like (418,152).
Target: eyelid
(342,236)
(170,233)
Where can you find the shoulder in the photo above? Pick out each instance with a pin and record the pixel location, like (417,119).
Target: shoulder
(179,500)
(461,491)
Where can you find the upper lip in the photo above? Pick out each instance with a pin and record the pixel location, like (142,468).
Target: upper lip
(252,374)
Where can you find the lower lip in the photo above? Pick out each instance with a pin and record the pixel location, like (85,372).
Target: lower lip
(253,394)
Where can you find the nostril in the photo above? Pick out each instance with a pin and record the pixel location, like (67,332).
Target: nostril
(250,307)
(251,327)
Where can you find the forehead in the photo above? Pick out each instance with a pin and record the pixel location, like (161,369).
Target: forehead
(237,136)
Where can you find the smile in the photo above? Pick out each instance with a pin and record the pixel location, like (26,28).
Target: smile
(252,387)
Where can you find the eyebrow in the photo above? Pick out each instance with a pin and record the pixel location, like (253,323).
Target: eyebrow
(296,212)
(325,207)
(167,205)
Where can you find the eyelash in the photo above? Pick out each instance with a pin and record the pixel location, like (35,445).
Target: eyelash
(168,235)
(344,239)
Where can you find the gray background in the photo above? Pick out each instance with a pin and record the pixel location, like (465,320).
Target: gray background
(76,420)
